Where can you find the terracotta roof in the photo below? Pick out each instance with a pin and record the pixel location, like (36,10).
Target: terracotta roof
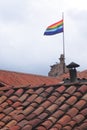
(82,74)
(22,79)
(32,102)
(53,107)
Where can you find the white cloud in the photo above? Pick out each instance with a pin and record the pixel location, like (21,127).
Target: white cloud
(22,24)
(75,4)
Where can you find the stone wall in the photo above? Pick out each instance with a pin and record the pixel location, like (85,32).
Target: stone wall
(58,68)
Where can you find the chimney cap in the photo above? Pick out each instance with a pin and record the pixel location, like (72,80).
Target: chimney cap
(72,65)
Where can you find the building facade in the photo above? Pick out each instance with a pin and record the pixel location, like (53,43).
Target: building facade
(58,68)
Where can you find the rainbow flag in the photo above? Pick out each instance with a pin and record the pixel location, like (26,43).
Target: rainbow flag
(54,28)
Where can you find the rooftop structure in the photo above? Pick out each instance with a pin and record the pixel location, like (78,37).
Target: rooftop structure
(60,105)
(58,68)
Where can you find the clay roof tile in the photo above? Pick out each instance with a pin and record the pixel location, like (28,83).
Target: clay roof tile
(42,107)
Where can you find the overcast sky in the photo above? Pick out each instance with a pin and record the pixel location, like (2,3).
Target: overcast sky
(24,48)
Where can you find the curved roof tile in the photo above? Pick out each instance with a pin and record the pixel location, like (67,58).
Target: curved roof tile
(52,107)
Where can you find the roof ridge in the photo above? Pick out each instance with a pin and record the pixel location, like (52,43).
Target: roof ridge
(24,73)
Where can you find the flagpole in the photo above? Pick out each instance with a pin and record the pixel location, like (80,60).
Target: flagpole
(63,44)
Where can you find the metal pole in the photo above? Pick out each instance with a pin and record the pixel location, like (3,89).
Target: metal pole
(63,44)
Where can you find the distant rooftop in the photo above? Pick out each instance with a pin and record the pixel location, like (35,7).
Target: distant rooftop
(23,79)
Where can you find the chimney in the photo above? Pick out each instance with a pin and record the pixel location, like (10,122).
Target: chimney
(72,71)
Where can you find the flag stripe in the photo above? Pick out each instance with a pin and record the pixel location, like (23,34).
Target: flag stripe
(53,32)
(54,28)
(55,24)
